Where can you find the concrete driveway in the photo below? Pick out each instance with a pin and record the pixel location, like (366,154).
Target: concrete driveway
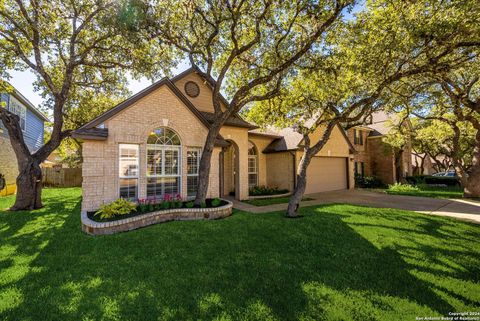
(457,208)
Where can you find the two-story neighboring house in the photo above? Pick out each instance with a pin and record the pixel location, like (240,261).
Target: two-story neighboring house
(376,158)
(32,123)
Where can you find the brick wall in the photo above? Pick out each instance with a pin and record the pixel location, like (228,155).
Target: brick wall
(382,160)
(280,170)
(133,125)
(362,151)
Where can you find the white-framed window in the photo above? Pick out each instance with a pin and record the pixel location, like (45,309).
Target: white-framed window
(20,110)
(128,170)
(164,156)
(252,165)
(193,166)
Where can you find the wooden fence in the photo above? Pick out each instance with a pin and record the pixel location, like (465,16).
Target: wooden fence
(62,177)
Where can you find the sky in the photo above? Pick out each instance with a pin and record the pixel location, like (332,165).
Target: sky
(23,82)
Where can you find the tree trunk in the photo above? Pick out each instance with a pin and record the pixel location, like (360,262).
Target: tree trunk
(296,198)
(398,166)
(29,186)
(205,163)
(472,185)
(29,179)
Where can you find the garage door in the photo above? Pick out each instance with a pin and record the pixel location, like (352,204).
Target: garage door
(326,174)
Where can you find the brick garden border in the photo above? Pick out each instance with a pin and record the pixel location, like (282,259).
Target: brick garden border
(179,214)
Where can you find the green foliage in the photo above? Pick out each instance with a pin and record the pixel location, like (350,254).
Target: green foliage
(216,202)
(189,204)
(368,182)
(203,204)
(177,203)
(116,208)
(399,187)
(433,180)
(166,205)
(264,190)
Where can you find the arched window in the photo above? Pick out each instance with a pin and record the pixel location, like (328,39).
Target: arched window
(163,163)
(252,165)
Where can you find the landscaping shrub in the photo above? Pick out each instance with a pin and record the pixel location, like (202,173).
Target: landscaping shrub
(264,190)
(216,202)
(433,180)
(119,207)
(189,204)
(399,187)
(368,182)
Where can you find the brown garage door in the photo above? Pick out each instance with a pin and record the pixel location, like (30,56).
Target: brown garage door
(326,174)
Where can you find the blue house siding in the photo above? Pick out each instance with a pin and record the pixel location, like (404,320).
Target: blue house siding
(34,131)
(33,134)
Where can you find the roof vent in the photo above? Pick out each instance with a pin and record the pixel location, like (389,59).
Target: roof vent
(192,89)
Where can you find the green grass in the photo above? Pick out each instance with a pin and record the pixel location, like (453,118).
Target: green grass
(271,201)
(435,192)
(338,262)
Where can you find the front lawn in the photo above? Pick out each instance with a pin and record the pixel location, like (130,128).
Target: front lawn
(338,262)
(431,191)
(271,201)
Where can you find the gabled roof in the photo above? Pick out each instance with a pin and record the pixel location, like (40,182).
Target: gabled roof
(264,132)
(292,140)
(27,103)
(130,101)
(233,120)
(205,117)
(212,82)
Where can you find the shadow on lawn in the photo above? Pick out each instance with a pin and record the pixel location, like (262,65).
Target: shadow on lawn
(250,266)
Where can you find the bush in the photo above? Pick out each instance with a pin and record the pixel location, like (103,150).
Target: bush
(119,207)
(368,182)
(264,190)
(189,204)
(399,187)
(433,180)
(216,202)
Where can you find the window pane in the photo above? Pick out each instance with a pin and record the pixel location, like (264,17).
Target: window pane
(193,158)
(128,162)
(128,188)
(163,136)
(171,162)
(154,162)
(192,182)
(161,186)
(252,165)
(252,180)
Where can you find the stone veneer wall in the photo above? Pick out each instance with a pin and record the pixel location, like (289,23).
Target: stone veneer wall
(8,166)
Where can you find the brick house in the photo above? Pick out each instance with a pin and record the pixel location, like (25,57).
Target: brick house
(376,158)
(32,123)
(150,145)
